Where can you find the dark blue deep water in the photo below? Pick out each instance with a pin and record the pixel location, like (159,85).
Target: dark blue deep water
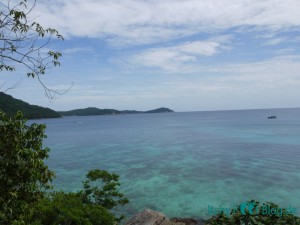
(179,163)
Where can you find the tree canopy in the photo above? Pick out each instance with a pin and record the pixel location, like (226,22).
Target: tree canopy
(23,174)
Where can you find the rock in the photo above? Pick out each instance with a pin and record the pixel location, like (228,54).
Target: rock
(149,217)
(188,221)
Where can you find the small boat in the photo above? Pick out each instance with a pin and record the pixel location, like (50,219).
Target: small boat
(272,117)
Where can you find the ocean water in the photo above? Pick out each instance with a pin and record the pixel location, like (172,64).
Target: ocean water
(181,163)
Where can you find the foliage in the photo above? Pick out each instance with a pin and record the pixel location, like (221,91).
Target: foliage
(68,208)
(104,192)
(23,175)
(260,214)
(88,206)
(23,41)
(10,106)
(108,195)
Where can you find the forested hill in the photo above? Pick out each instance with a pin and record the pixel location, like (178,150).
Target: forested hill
(95,111)
(10,106)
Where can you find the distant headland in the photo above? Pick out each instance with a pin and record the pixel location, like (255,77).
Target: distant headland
(10,106)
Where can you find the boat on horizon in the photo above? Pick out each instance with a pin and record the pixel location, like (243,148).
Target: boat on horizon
(272,117)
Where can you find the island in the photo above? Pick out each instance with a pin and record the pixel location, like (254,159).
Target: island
(93,111)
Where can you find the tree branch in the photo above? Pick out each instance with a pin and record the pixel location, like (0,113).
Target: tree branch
(22,41)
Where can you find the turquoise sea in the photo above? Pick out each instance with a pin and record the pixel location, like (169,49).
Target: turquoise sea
(181,163)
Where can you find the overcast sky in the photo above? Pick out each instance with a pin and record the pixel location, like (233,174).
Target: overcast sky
(188,55)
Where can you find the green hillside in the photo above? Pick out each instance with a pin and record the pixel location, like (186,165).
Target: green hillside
(10,106)
(92,111)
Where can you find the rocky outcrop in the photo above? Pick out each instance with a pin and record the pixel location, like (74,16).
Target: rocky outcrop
(150,217)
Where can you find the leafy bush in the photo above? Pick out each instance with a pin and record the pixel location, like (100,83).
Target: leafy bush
(108,195)
(68,208)
(89,206)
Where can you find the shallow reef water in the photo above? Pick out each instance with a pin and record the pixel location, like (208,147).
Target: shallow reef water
(182,163)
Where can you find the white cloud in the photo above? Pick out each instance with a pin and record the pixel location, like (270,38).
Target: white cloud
(76,50)
(275,41)
(277,74)
(172,58)
(132,22)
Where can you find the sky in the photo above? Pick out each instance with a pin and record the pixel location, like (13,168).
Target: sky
(187,55)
